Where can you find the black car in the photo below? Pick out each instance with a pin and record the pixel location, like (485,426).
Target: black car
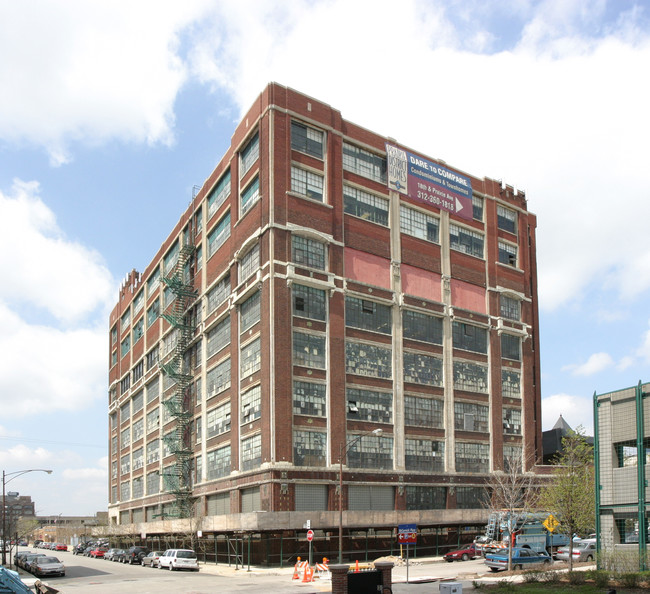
(135,554)
(79,549)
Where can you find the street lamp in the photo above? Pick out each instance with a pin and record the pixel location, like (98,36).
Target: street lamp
(13,475)
(343,450)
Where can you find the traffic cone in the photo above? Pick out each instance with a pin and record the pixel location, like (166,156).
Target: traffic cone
(295,570)
(356,566)
(306,576)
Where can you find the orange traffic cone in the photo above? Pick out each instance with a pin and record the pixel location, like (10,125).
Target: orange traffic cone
(306,577)
(356,566)
(295,570)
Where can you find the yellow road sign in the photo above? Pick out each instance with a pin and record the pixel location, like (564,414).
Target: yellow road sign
(551,523)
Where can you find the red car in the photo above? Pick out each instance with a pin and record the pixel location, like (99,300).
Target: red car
(98,553)
(463,554)
(61,547)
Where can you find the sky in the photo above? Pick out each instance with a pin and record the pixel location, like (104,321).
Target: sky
(112,111)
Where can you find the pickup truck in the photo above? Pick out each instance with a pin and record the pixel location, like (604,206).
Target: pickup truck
(520,558)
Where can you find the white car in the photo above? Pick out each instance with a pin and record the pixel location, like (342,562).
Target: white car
(178,559)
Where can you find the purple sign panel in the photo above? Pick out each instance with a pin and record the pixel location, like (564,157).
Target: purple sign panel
(429,182)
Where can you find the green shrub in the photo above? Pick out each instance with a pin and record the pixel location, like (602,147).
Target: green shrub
(600,577)
(576,578)
(531,576)
(549,577)
(505,586)
(630,579)
(477,585)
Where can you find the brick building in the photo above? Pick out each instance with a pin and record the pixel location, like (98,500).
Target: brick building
(306,299)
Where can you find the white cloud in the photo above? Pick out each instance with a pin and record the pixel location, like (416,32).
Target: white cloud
(576,411)
(644,349)
(596,363)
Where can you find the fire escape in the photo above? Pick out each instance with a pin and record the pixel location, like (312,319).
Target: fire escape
(178,478)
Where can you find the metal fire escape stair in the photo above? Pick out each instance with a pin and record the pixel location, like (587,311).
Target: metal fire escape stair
(177,478)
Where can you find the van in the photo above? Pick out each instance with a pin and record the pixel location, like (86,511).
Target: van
(178,559)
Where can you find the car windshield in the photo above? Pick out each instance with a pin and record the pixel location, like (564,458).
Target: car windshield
(186,554)
(46,560)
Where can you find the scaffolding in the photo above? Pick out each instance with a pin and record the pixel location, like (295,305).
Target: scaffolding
(178,478)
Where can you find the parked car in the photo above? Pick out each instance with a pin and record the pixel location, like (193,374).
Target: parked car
(29,559)
(463,554)
(98,552)
(20,554)
(151,560)
(20,560)
(108,555)
(521,558)
(118,555)
(135,554)
(178,559)
(61,547)
(42,566)
(583,550)
(89,549)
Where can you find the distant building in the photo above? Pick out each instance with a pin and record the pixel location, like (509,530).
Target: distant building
(68,529)
(325,283)
(552,440)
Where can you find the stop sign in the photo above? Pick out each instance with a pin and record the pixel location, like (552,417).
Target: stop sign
(310,535)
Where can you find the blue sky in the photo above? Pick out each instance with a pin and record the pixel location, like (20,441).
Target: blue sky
(111,111)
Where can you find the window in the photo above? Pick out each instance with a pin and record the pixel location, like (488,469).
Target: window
(113,335)
(170,259)
(250,195)
(418,224)
(627,452)
(219,293)
(365,206)
(218,420)
(307,140)
(423,327)
(469,338)
(469,416)
(218,337)
(470,377)
(138,303)
(153,388)
(512,457)
(424,455)
(309,448)
(170,341)
(218,378)
(138,429)
(198,469)
(307,183)
(153,312)
(250,262)
(138,371)
(370,405)
(507,254)
(125,320)
(466,241)
(249,154)
(309,350)
(198,258)
(512,421)
(168,296)
(218,463)
(153,420)
(364,163)
(308,252)
(251,405)
(250,358)
(472,498)
(114,469)
(138,458)
(152,358)
(368,315)
(126,346)
(369,360)
(251,452)
(153,451)
(426,498)
(510,383)
(153,482)
(309,302)
(422,369)
(125,438)
(506,219)
(153,281)
(113,358)
(509,307)
(511,347)
(114,494)
(423,412)
(125,464)
(138,488)
(477,207)
(219,195)
(125,411)
(125,491)
(219,234)
(371,451)
(249,312)
(472,457)
(138,330)
(309,398)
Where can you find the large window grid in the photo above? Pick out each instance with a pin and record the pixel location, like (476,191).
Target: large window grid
(423,412)
(470,416)
(249,154)
(170,259)
(138,458)
(249,263)
(426,498)
(368,315)
(219,195)
(420,326)
(309,350)
(218,378)
(511,347)
(219,293)
(251,405)
(138,429)
(153,420)
(368,360)
(309,302)
(364,163)
(153,281)
(125,347)
(365,206)
(125,491)
(125,464)
(472,457)
(424,455)
(138,303)
(471,498)
(125,320)
(307,183)
(469,338)
(218,463)
(470,377)
(309,398)
(125,438)
(477,207)
(309,448)
(138,488)
(307,140)
(422,369)
(507,254)
(152,358)
(218,337)
(509,307)
(370,405)
(512,421)
(308,252)
(219,234)
(249,311)
(153,451)
(250,195)
(218,420)
(506,219)
(371,451)
(250,358)
(466,241)
(251,452)
(153,312)
(153,482)
(510,383)
(418,224)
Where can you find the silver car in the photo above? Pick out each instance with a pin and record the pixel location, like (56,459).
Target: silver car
(583,550)
(42,566)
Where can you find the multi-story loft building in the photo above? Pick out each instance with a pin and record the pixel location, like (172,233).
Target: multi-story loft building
(325,283)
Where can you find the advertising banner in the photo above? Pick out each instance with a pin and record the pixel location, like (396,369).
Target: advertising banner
(429,182)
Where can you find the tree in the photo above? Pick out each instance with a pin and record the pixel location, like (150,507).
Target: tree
(571,495)
(513,492)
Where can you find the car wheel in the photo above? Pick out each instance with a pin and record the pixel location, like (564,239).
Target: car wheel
(590,558)
(171,567)
(159,566)
(518,567)
(465,557)
(448,560)
(494,569)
